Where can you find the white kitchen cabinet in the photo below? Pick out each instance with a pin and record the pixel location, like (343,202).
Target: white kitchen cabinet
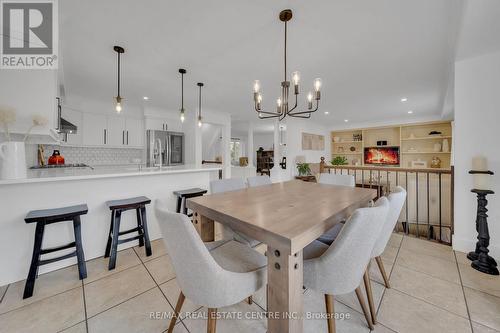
(116,131)
(134,132)
(94,129)
(164,124)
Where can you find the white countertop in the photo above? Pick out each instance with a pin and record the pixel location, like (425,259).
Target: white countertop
(66,174)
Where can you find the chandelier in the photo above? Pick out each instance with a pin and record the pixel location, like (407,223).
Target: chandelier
(283,107)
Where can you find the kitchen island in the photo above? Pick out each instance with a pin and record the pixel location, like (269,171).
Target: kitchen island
(53,188)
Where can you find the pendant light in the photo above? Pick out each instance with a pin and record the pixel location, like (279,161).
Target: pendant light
(182,71)
(200,84)
(119,50)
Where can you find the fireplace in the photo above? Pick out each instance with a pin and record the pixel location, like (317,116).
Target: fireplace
(382,155)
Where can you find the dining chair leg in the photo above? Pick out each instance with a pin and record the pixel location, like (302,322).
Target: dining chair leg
(249,300)
(177,310)
(369,294)
(212,320)
(330,312)
(382,271)
(359,294)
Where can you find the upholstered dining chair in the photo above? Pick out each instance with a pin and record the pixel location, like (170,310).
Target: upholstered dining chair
(258,181)
(339,269)
(333,179)
(336,179)
(227,185)
(230,271)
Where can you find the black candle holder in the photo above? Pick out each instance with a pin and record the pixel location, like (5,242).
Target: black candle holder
(481,261)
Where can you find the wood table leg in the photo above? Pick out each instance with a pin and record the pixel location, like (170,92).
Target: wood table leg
(204,226)
(285,295)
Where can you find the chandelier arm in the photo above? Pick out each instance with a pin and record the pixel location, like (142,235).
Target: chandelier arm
(299,116)
(264,112)
(304,112)
(268,117)
(295,106)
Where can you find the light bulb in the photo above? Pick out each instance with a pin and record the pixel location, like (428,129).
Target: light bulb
(278,101)
(259,98)
(199,121)
(317,84)
(256,86)
(309,97)
(296,78)
(182,116)
(118,107)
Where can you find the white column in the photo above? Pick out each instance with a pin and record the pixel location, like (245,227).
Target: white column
(250,151)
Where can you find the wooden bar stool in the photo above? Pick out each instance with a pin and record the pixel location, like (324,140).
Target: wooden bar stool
(186,194)
(117,207)
(49,216)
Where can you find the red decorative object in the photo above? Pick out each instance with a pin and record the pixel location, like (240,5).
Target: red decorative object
(382,155)
(56,158)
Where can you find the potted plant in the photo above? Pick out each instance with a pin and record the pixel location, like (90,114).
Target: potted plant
(304,169)
(339,160)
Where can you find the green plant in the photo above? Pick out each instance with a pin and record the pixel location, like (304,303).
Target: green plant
(303,169)
(339,160)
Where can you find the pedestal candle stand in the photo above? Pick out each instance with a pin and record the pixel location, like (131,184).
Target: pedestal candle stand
(481,261)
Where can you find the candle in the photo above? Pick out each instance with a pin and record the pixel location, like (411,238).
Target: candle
(479,163)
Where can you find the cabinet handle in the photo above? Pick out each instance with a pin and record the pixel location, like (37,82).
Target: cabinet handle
(105,136)
(127,138)
(123,137)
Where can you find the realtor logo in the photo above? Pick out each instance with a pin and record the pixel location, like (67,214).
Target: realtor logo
(29,34)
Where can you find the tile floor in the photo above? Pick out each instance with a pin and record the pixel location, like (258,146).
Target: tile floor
(433,290)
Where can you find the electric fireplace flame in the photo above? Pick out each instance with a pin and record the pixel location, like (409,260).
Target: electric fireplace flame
(382,155)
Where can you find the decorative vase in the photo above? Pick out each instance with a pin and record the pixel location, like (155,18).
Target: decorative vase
(446,146)
(12,160)
(437,147)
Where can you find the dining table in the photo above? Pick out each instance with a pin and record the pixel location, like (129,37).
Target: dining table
(285,216)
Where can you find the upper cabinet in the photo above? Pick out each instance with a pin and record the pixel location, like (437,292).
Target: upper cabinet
(135,132)
(29,93)
(94,129)
(112,131)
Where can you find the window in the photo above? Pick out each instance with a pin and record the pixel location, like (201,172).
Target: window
(235,147)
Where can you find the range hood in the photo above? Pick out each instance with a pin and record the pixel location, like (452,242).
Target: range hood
(64,126)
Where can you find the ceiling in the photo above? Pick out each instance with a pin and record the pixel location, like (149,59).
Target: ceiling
(369,54)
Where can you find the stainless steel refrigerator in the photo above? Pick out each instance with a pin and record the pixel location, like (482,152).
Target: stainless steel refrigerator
(164,148)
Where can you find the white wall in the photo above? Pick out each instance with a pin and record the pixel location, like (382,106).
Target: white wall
(477,117)
(211,141)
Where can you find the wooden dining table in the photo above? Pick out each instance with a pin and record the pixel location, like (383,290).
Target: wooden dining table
(286,217)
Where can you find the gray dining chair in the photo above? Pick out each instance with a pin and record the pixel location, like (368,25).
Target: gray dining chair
(335,179)
(230,271)
(227,185)
(259,181)
(339,269)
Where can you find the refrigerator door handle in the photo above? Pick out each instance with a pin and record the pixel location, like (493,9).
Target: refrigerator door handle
(168,149)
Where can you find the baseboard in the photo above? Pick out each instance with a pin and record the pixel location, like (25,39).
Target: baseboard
(467,245)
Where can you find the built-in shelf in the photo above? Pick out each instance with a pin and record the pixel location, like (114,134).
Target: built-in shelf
(425,152)
(427,138)
(348,153)
(341,142)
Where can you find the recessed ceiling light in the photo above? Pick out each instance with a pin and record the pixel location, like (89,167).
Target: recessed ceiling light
(326,112)
(346,120)
(145,98)
(410,112)
(404,99)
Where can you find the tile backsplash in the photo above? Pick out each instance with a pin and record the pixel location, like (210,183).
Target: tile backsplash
(91,155)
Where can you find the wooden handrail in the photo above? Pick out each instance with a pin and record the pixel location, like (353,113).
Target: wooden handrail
(323,166)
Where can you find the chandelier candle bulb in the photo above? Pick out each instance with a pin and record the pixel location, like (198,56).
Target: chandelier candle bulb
(309,100)
(256,86)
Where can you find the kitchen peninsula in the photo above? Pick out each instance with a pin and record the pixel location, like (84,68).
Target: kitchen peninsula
(50,188)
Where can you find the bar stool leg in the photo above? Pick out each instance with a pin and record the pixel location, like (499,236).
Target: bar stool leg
(37,249)
(179,204)
(114,243)
(146,234)
(82,269)
(139,225)
(110,235)
(185,211)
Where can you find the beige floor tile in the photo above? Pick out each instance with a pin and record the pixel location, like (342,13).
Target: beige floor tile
(230,324)
(436,267)
(474,279)
(314,306)
(484,308)
(157,247)
(114,289)
(161,269)
(395,240)
(403,313)
(478,328)
(448,296)
(429,248)
(51,314)
(462,258)
(98,268)
(352,301)
(171,290)
(379,328)
(78,328)
(390,254)
(148,312)
(375,274)
(46,285)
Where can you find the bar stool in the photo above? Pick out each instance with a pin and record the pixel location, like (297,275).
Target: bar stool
(186,194)
(49,216)
(117,207)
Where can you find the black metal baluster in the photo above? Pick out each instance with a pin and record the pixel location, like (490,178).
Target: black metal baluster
(416,191)
(440,215)
(428,209)
(387,181)
(407,229)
